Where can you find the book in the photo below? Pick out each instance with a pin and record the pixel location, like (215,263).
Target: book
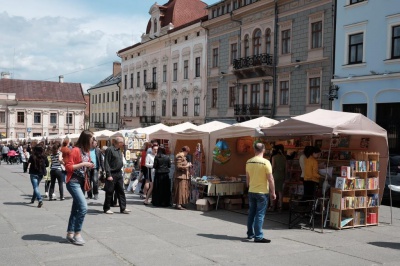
(345,221)
(340,182)
(345,171)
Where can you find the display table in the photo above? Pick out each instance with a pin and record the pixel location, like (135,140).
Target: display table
(200,189)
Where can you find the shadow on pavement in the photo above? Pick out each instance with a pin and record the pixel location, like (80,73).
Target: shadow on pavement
(44,237)
(392,245)
(94,212)
(223,237)
(18,203)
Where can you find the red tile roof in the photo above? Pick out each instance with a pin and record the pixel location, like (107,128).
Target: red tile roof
(180,12)
(43,91)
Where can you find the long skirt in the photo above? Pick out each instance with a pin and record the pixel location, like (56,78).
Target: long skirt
(161,190)
(181,191)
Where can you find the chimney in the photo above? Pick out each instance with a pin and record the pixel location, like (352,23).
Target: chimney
(61,79)
(116,68)
(5,75)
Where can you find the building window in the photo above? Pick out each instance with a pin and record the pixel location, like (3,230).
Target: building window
(233,52)
(137,109)
(316,35)
(69,118)
(144,109)
(37,118)
(197,67)
(131,108)
(131,80)
(112,96)
(266,93)
(214,98)
(153,108)
(124,108)
(244,94)
(108,118)
(154,79)
(164,108)
(144,76)
(396,42)
(197,106)
(116,117)
(53,118)
(356,43)
(231,96)
(116,96)
(286,42)
(284,93)
(246,46)
(99,98)
(185,107)
(268,41)
(186,69)
(255,94)
(174,107)
(164,73)
(360,108)
(352,2)
(257,42)
(138,79)
(104,118)
(215,57)
(2,117)
(314,90)
(20,117)
(108,97)
(125,81)
(112,118)
(92,99)
(175,72)
(104,97)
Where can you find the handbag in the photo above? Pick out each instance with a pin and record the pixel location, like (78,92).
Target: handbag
(86,185)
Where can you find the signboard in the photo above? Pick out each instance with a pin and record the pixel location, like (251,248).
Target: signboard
(3,134)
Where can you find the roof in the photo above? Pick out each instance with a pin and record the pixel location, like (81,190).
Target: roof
(110,80)
(43,91)
(180,12)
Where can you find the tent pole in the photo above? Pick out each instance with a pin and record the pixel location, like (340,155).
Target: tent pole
(325,180)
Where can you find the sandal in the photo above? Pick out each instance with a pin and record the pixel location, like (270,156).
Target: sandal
(180,208)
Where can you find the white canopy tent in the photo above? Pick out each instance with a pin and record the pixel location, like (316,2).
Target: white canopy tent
(103,134)
(330,123)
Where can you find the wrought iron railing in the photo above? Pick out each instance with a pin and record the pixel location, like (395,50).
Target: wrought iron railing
(150,86)
(251,61)
(252,109)
(150,119)
(99,124)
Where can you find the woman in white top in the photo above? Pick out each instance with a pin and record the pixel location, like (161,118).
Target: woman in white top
(149,164)
(25,158)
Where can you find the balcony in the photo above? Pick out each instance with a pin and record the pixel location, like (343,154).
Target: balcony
(99,124)
(245,112)
(260,65)
(149,120)
(150,86)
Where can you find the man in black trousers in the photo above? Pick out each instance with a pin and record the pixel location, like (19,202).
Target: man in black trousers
(114,180)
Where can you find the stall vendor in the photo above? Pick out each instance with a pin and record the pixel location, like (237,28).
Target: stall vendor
(311,175)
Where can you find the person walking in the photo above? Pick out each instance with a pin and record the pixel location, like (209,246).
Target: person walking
(56,172)
(97,159)
(162,184)
(4,152)
(76,166)
(25,158)
(150,176)
(181,179)
(260,181)
(37,166)
(114,180)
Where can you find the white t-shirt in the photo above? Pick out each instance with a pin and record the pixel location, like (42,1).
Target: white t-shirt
(150,162)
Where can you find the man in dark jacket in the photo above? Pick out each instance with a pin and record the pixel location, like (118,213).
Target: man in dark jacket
(97,159)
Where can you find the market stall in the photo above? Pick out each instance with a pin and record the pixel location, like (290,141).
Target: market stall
(348,141)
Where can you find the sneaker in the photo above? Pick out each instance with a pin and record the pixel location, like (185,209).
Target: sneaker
(62,199)
(262,240)
(70,238)
(126,211)
(40,204)
(54,195)
(96,197)
(78,240)
(109,212)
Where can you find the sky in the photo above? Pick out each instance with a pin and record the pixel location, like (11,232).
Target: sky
(79,39)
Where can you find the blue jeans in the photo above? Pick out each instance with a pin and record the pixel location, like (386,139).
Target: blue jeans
(257,206)
(35,180)
(79,207)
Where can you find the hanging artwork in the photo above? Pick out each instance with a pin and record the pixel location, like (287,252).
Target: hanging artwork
(221,152)
(244,145)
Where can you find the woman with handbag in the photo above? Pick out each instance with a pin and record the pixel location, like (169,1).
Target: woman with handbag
(77,167)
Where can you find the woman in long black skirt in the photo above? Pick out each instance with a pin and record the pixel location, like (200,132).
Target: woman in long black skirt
(161,182)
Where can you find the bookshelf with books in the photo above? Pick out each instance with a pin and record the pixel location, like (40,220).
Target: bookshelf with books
(355,198)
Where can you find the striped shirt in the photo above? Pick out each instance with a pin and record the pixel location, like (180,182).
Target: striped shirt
(55,162)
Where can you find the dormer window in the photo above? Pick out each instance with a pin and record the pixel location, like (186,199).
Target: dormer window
(155,25)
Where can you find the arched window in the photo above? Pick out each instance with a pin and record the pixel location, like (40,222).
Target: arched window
(246,46)
(268,41)
(155,25)
(257,42)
